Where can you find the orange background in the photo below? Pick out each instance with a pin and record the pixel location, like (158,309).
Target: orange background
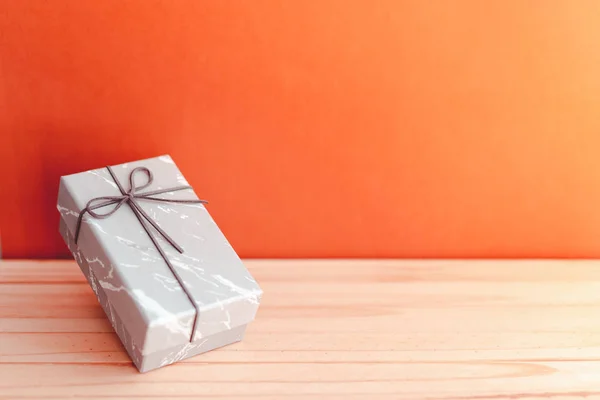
(316,128)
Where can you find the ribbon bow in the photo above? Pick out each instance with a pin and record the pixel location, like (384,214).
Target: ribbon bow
(131,197)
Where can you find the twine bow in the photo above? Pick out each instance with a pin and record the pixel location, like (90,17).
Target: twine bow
(131,197)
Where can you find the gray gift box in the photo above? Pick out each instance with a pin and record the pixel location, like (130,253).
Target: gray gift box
(153,294)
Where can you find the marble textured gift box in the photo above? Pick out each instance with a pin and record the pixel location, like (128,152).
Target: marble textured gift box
(164,304)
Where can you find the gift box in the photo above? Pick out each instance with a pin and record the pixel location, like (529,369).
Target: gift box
(167,278)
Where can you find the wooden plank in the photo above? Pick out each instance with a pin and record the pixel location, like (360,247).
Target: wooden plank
(335,329)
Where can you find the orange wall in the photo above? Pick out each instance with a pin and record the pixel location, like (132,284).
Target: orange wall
(316,128)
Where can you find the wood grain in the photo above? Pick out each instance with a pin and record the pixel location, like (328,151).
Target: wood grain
(328,330)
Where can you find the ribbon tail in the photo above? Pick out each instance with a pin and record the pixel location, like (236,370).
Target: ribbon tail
(191,201)
(161,191)
(141,215)
(87,210)
(164,234)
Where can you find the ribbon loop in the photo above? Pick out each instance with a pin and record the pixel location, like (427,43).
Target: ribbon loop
(130,197)
(149,177)
(100,202)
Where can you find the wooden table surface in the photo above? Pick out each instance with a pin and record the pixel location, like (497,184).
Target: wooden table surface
(328,330)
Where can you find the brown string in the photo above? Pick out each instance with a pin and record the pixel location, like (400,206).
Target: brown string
(130,197)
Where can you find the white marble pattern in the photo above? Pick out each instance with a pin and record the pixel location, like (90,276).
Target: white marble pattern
(168,283)
(218,295)
(181,180)
(127,265)
(167,209)
(105,178)
(95,260)
(77,256)
(227,322)
(166,159)
(250,295)
(181,354)
(93,284)
(97,225)
(64,211)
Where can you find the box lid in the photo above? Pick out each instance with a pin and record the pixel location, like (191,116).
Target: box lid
(138,282)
